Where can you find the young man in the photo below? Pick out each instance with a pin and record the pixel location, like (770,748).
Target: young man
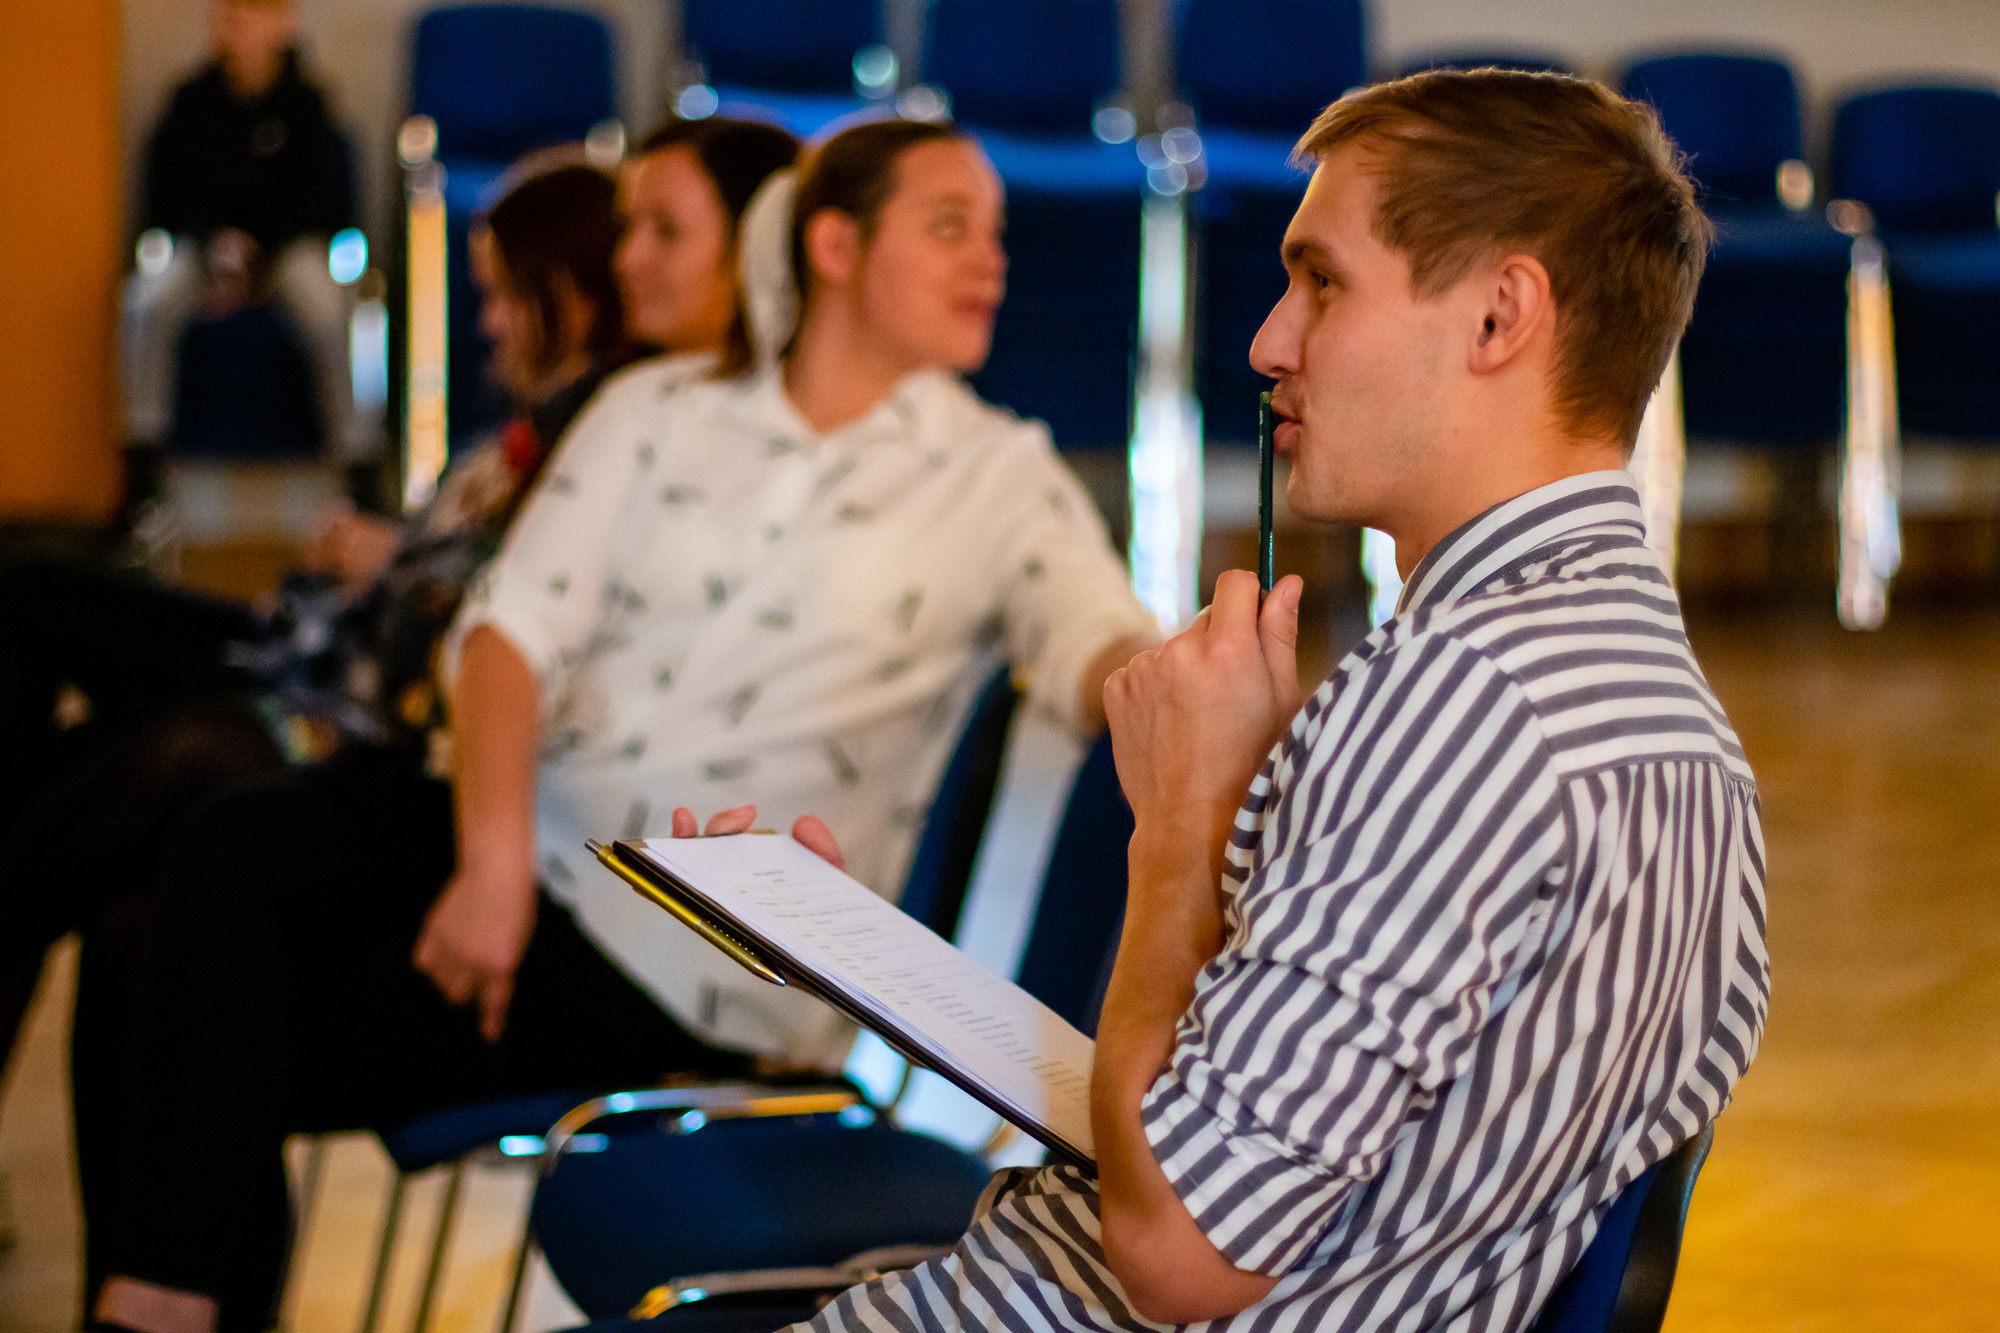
(1484,939)
(248,176)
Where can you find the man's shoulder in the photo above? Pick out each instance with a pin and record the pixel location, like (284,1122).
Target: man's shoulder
(1588,633)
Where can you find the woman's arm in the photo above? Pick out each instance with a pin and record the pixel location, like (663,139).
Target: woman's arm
(479,928)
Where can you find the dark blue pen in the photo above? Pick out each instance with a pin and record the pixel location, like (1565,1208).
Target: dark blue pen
(1266,556)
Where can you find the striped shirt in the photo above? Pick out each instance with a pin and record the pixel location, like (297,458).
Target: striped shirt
(1495,945)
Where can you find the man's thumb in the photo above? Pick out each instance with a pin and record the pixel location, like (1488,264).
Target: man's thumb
(1278,632)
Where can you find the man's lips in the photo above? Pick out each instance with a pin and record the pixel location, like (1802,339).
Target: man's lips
(1284,430)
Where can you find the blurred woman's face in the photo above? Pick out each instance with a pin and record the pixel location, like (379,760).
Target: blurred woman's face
(507,319)
(676,261)
(932,276)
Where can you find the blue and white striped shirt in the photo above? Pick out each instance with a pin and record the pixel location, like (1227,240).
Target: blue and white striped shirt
(1495,946)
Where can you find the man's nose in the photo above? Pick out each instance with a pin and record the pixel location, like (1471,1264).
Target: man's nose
(1275,349)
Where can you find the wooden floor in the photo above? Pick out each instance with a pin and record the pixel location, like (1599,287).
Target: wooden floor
(1855,1184)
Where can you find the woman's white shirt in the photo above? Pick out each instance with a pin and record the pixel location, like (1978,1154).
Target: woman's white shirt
(725,607)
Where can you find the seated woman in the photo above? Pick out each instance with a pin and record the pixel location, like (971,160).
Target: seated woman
(780,585)
(124,703)
(553,265)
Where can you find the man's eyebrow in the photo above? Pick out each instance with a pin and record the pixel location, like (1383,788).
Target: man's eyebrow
(1306,250)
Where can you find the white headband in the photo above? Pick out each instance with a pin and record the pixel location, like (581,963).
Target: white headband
(764,264)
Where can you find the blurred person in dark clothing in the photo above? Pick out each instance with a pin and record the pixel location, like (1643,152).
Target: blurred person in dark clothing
(246,180)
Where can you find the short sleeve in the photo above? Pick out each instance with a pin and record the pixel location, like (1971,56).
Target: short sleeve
(1402,866)
(543,590)
(1065,594)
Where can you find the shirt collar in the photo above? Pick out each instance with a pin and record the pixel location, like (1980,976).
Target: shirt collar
(763,407)
(1504,536)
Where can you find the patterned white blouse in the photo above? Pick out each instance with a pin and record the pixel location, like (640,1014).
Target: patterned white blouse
(724,606)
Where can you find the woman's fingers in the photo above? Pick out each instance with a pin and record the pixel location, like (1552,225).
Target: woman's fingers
(811,833)
(731,821)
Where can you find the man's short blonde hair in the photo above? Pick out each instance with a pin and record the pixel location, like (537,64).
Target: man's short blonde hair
(1470,164)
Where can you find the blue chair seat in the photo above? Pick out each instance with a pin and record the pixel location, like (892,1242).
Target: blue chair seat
(1245,159)
(1964,262)
(804,114)
(445,1136)
(823,1190)
(1060,164)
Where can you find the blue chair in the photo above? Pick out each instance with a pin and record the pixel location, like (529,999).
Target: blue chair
(612,1211)
(499,80)
(1626,1274)
(790,61)
(941,867)
(1764,359)
(1256,73)
(1024,76)
(1926,161)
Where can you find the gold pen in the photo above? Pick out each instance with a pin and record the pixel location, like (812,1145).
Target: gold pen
(613,857)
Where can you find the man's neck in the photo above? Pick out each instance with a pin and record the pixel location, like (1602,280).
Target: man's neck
(248,82)
(836,373)
(1477,482)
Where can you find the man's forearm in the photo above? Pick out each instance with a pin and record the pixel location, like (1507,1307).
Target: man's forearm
(1173,926)
(496,705)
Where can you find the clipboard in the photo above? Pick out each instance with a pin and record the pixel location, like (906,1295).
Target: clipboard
(770,963)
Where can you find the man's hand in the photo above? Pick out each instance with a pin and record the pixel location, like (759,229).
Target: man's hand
(809,831)
(473,941)
(1192,721)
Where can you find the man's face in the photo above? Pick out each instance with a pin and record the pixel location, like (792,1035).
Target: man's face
(1363,367)
(250,39)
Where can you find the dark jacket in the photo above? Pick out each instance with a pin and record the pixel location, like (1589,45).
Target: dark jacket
(275,168)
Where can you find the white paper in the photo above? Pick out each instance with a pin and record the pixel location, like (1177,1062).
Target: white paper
(892,967)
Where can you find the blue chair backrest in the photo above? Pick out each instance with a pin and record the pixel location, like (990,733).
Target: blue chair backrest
(1924,159)
(1083,895)
(1033,65)
(1269,64)
(941,867)
(788,45)
(1626,1274)
(1735,116)
(501,79)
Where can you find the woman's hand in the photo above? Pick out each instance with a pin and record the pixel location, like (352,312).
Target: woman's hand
(354,548)
(809,831)
(474,938)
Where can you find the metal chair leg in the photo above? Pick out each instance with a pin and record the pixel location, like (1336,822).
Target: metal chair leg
(390,1218)
(523,1251)
(447,1213)
(310,1173)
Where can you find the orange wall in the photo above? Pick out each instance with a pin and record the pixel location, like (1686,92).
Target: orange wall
(60,252)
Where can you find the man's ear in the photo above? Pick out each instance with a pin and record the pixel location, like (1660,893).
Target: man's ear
(833,246)
(1518,311)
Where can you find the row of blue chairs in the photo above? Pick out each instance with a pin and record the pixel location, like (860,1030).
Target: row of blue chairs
(499,80)
(1765,357)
